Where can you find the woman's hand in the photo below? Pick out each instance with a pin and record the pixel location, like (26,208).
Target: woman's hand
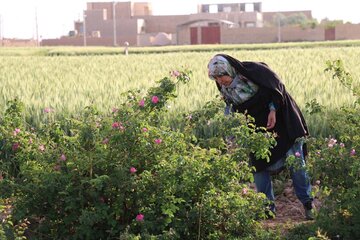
(271,120)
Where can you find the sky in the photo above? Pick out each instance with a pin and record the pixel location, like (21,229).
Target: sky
(54,18)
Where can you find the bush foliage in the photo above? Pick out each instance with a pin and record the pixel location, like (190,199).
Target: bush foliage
(127,175)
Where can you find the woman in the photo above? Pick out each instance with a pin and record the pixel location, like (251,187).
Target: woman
(253,88)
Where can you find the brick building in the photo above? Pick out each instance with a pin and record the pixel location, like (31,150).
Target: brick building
(114,23)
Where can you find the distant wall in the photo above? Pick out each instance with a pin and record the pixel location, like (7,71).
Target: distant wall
(9,42)
(347,31)
(262,35)
(90,41)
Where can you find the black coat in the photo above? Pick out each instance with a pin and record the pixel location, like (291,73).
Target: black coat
(290,123)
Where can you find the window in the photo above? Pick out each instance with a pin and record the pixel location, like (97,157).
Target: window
(213,9)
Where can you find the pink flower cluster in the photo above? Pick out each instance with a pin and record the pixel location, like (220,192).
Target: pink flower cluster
(118,125)
(154,100)
(332,142)
(16,131)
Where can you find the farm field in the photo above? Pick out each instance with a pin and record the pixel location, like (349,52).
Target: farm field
(67,84)
(118,171)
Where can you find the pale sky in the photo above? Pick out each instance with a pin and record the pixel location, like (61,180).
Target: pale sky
(56,17)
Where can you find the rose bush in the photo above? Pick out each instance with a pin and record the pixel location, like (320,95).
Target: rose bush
(127,175)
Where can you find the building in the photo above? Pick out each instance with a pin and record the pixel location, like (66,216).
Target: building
(114,23)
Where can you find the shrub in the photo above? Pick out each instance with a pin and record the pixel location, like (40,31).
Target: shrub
(126,175)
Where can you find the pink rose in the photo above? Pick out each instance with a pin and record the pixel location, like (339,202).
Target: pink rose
(62,158)
(144,129)
(158,141)
(133,170)
(142,103)
(16,131)
(15,146)
(175,73)
(352,152)
(155,99)
(105,141)
(116,125)
(47,110)
(297,154)
(42,147)
(140,217)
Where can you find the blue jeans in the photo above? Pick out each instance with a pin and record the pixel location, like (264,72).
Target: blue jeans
(300,178)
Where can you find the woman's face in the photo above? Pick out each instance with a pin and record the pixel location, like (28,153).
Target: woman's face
(224,80)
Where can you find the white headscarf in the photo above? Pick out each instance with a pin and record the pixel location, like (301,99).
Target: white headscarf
(219,66)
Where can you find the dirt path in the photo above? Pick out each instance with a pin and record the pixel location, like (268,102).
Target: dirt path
(289,210)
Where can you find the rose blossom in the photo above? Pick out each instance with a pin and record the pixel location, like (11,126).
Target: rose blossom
(140,217)
(155,99)
(62,157)
(47,110)
(116,125)
(16,131)
(175,73)
(133,170)
(15,146)
(297,154)
(42,147)
(352,152)
(332,142)
(141,102)
(158,140)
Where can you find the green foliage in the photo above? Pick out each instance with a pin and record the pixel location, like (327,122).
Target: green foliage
(313,107)
(330,24)
(66,84)
(335,162)
(8,230)
(127,174)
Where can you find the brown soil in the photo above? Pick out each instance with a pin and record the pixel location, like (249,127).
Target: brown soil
(289,210)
